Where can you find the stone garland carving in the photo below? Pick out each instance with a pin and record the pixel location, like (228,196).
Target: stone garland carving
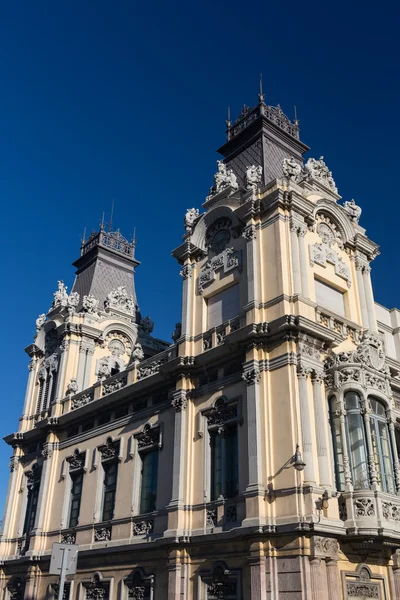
(228,260)
(353,210)
(76,461)
(253,177)
(221,413)
(187,271)
(90,304)
(191,216)
(252,376)
(149,437)
(150,369)
(109,450)
(325,547)
(144,527)
(211,517)
(102,534)
(391,511)
(72,387)
(68,537)
(364,507)
(40,321)
(96,589)
(81,400)
(120,300)
(224,179)
(116,384)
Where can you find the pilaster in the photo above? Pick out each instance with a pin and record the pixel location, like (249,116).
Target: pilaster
(306,425)
(257,564)
(303,261)
(11,503)
(320,428)
(294,242)
(369,296)
(174,575)
(361,294)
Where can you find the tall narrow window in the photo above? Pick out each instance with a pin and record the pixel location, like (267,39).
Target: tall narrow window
(33,485)
(223,306)
(76,470)
(109,459)
(148,494)
(109,489)
(337,445)
(357,442)
(381,447)
(224,463)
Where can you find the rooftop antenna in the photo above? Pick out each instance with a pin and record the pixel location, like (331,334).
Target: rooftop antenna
(261,95)
(296,122)
(112,214)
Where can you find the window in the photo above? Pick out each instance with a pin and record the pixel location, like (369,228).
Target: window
(33,485)
(76,494)
(109,489)
(356,441)
(148,493)
(329,297)
(224,463)
(223,306)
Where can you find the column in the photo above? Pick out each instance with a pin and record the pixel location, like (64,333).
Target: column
(44,500)
(332,574)
(303,262)
(187,298)
(294,243)
(253,277)
(306,428)
(394,449)
(252,377)
(318,581)
(320,416)
(343,436)
(32,583)
(174,575)
(396,574)
(371,460)
(11,500)
(28,409)
(257,563)
(369,298)
(175,508)
(361,295)
(61,370)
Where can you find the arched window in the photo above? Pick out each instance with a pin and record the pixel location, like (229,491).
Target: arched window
(357,445)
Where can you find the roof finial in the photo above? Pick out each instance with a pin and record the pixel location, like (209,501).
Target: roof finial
(102,222)
(296,122)
(261,95)
(228,121)
(112,214)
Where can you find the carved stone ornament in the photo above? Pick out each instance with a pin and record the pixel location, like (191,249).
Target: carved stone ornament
(68,538)
(362,587)
(90,304)
(102,534)
(149,437)
(176,334)
(150,368)
(142,527)
(222,412)
(76,461)
(180,400)
(81,400)
(120,300)
(33,477)
(252,376)
(96,589)
(228,260)
(325,547)
(391,511)
(353,210)
(60,297)
(118,343)
(231,514)
(253,177)
(249,233)
(47,450)
(139,586)
(147,325)
(40,321)
(187,271)
(109,450)
(220,584)
(317,170)
(364,507)
(223,179)
(72,387)
(137,354)
(116,384)
(191,216)
(292,169)
(72,302)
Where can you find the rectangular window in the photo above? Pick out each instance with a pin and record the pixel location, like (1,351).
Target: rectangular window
(109,489)
(224,463)
(76,494)
(148,494)
(223,306)
(329,297)
(31,508)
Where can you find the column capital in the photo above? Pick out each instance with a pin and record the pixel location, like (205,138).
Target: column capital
(303,372)
(250,233)
(180,400)
(317,377)
(252,376)
(187,271)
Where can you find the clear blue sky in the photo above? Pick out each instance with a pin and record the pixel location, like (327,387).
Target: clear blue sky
(127,100)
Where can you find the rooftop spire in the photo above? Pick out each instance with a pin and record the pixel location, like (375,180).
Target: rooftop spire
(261,94)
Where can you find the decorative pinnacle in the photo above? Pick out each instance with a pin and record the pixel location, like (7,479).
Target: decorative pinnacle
(296,121)
(261,94)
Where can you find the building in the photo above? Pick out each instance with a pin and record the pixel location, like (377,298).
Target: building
(255,457)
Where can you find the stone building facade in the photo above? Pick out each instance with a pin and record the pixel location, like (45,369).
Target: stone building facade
(257,456)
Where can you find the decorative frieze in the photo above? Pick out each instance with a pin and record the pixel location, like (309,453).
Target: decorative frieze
(362,586)
(96,589)
(144,527)
(76,461)
(391,511)
(81,400)
(222,412)
(102,534)
(121,301)
(228,260)
(150,368)
(109,450)
(149,437)
(116,384)
(321,254)
(325,547)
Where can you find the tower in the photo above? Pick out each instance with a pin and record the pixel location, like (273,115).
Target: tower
(256,457)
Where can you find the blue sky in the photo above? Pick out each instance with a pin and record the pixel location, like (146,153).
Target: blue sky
(128,100)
